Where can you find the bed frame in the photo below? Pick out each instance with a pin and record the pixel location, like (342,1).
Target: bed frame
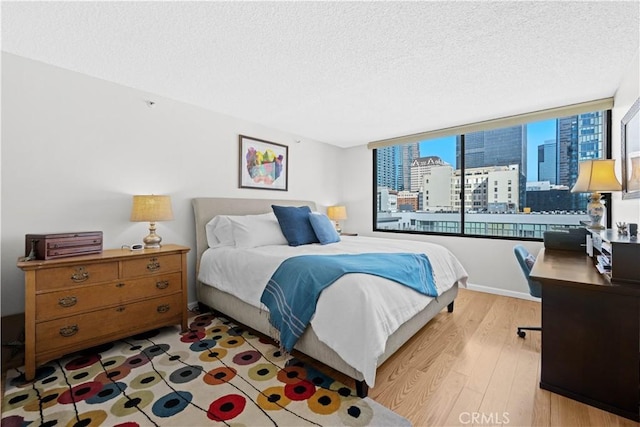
(205,208)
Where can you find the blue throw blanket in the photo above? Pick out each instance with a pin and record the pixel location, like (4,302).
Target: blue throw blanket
(293,291)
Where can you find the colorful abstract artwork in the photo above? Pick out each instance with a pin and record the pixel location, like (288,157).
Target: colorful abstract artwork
(263,164)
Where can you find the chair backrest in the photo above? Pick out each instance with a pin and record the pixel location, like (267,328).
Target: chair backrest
(535,289)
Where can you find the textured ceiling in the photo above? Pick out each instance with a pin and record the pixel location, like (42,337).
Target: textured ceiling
(344,73)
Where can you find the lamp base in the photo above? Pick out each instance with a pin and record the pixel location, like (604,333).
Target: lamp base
(152,240)
(595,210)
(338,228)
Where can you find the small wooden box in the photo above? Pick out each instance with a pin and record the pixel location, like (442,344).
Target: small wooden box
(52,246)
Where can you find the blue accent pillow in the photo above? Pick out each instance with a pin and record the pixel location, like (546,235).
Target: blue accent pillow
(324,228)
(295,225)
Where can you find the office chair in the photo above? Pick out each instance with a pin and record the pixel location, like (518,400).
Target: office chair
(525,259)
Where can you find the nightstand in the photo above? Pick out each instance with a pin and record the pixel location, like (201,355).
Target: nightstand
(79,302)
(348,234)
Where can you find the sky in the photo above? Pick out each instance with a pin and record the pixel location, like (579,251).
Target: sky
(537,134)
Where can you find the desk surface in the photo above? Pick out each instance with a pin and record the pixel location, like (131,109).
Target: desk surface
(575,269)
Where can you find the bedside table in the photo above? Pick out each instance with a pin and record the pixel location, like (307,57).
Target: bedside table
(348,234)
(79,302)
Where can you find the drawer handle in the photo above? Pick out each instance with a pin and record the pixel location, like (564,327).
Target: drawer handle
(67,301)
(163,308)
(120,285)
(162,285)
(69,331)
(153,265)
(120,309)
(80,275)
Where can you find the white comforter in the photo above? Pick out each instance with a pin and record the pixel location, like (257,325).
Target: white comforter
(356,314)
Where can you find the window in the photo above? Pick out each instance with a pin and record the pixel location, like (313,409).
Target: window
(509,182)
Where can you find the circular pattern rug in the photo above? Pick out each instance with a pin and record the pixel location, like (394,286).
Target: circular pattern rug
(217,373)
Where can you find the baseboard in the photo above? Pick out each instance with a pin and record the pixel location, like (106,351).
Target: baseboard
(192,305)
(503,292)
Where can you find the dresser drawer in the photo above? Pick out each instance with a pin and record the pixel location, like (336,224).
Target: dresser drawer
(117,320)
(79,274)
(152,264)
(69,302)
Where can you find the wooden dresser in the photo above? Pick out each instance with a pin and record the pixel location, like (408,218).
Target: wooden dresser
(79,302)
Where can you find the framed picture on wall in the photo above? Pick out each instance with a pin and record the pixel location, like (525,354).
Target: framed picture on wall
(630,134)
(263,164)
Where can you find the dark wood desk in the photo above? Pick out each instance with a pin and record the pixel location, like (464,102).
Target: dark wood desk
(590,334)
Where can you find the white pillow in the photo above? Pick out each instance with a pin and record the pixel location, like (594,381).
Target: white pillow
(244,231)
(219,232)
(250,231)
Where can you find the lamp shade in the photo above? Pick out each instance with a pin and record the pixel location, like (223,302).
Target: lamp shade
(337,213)
(151,208)
(596,176)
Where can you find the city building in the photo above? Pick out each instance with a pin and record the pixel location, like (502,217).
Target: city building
(408,153)
(497,147)
(493,189)
(408,201)
(582,134)
(386,166)
(386,200)
(482,224)
(547,162)
(419,167)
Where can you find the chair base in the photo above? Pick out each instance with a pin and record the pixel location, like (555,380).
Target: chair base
(522,329)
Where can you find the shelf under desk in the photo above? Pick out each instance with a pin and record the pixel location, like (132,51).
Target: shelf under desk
(590,333)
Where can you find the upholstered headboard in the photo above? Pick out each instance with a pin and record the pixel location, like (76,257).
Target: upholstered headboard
(205,208)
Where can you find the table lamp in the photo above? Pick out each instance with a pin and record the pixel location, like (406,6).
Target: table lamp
(337,214)
(596,176)
(151,208)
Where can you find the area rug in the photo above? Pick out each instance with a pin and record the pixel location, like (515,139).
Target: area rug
(215,374)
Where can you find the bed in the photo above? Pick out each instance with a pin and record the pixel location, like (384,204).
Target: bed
(224,298)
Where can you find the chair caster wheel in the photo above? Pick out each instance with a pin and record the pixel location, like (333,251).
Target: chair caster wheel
(522,334)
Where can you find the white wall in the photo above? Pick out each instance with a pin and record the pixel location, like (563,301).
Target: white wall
(629,90)
(75,148)
(490,262)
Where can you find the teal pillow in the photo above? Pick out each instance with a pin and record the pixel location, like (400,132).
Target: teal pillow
(295,225)
(324,228)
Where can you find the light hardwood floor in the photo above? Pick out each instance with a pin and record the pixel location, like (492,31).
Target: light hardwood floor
(470,365)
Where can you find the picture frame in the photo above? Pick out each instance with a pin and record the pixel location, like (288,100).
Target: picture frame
(630,135)
(264,164)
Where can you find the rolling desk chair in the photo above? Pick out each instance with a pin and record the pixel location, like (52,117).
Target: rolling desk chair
(526,260)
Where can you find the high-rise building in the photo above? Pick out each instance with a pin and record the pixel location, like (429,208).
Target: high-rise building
(386,167)
(579,138)
(408,152)
(394,165)
(497,147)
(547,154)
(567,139)
(582,135)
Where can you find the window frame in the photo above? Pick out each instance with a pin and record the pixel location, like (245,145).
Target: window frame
(606,197)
